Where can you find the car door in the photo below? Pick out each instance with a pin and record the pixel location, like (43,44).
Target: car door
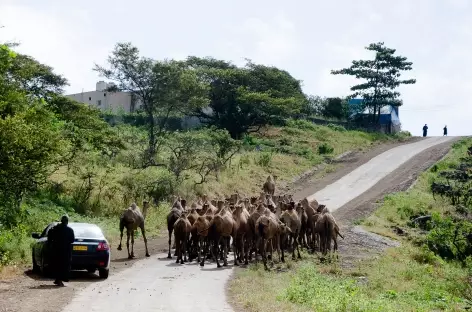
(41,245)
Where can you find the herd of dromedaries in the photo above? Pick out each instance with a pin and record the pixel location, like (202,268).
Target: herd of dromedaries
(257,224)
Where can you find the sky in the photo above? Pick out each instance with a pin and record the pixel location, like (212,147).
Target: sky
(306,38)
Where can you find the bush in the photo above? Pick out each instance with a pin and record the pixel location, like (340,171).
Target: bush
(336,127)
(264,159)
(325,148)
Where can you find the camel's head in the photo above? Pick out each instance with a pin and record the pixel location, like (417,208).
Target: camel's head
(322,209)
(183,203)
(291,205)
(300,207)
(133,206)
(220,204)
(254,200)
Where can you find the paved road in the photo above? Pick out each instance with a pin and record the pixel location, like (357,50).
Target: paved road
(364,177)
(157,284)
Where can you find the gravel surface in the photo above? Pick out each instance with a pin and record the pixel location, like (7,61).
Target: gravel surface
(157,284)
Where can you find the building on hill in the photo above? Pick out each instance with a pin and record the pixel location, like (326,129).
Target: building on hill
(103,100)
(388,122)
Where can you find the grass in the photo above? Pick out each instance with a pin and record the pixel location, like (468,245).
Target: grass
(96,190)
(407,278)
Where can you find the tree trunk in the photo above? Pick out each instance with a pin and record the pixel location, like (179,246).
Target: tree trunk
(152,138)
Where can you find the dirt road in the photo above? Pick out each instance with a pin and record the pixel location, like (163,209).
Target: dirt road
(160,285)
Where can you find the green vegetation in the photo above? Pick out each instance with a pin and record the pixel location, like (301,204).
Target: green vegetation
(431,270)
(58,156)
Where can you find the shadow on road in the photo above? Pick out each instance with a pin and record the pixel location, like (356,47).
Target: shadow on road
(75,276)
(44,287)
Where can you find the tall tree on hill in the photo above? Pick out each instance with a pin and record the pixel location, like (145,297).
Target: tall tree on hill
(382,75)
(164,88)
(244,99)
(31,141)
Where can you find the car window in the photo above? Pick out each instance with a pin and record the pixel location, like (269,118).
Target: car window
(87,231)
(46,230)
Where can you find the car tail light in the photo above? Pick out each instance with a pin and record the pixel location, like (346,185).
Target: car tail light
(102,246)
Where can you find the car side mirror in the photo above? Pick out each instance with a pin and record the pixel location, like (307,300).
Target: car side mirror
(35,236)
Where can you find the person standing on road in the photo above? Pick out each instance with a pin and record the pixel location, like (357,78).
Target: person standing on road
(61,238)
(425,130)
(445,131)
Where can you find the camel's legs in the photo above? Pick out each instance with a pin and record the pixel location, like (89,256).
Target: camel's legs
(178,250)
(132,244)
(263,253)
(236,249)
(170,241)
(122,226)
(225,251)
(185,249)
(217,243)
(127,243)
(143,231)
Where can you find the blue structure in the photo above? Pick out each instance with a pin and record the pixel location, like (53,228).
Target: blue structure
(389,121)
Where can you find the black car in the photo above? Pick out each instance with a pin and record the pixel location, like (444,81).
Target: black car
(90,250)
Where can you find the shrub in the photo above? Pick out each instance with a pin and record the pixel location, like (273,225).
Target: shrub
(264,159)
(325,148)
(336,127)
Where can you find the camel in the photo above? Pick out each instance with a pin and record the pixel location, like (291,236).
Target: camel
(302,237)
(172,216)
(132,218)
(182,228)
(192,218)
(310,210)
(268,229)
(293,221)
(331,229)
(241,245)
(269,185)
(224,228)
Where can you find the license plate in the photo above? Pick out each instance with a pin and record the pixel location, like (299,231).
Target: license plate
(80,248)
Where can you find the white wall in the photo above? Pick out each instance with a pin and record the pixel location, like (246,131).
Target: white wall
(103,100)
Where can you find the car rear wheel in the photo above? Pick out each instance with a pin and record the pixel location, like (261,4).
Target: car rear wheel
(36,268)
(45,268)
(103,273)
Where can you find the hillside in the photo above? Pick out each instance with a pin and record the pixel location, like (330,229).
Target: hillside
(283,151)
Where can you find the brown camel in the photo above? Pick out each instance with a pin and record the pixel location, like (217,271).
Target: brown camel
(202,228)
(241,228)
(269,185)
(224,229)
(182,228)
(268,230)
(293,221)
(172,216)
(132,219)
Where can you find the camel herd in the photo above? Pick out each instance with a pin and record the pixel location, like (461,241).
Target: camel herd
(209,229)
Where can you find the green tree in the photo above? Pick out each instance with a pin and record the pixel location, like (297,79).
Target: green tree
(244,99)
(382,77)
(164,89)
(335,108)
(31,141)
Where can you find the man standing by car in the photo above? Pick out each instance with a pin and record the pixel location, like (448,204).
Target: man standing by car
(61,238)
